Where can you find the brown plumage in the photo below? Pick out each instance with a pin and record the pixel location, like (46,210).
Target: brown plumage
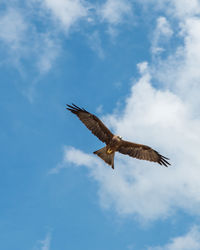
(113,142)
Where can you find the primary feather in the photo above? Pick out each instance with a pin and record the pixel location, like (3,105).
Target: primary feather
(142,152)
(93,123)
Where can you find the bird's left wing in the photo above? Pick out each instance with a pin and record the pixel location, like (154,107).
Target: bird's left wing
(92,122)
(142,152)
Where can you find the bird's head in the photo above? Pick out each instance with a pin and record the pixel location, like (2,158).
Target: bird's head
(119,137)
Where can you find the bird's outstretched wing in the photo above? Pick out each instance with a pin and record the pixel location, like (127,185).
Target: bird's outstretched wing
(93,123)
(142,152)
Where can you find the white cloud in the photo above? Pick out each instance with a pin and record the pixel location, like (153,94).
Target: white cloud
(49,51)
(180,72)
(162,34)
(181,9)
(44,244)
(22,41)
(44,52)
(114,11)
(75,156)
(163,26)
(161,120)
(185,8)
(13,28)
(25,47)
(166,119)
(95,44)
(190,241)
(68,12)
(22,38)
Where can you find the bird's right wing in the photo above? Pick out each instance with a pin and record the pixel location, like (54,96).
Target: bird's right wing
(142,152)
(92,122)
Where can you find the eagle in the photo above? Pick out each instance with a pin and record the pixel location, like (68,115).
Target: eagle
(114,143)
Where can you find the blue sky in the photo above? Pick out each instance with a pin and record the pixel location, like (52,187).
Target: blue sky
(135,64)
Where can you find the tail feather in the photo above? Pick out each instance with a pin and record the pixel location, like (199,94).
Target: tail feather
(108,158)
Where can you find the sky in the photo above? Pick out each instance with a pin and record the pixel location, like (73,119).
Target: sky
(133,63)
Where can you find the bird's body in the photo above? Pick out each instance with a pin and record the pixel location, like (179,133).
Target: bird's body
(107,153)
(114,143)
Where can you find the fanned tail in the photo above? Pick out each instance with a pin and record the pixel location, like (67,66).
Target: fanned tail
(108,158)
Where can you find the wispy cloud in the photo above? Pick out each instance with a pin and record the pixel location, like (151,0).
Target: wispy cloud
(48,53)
(25,47)
(73,155)
(23,41)
(13,35)
(162,34)
(13,28)
(67,12)
(190,241)
(185,8)
(114,11)
(44,244)
(29,47)
(178,9)
(95,44)
(185,79)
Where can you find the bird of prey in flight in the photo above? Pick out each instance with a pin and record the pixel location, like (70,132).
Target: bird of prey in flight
(114,143)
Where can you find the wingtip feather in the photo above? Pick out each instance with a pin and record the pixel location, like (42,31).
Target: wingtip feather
(74,108)
(163,161)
